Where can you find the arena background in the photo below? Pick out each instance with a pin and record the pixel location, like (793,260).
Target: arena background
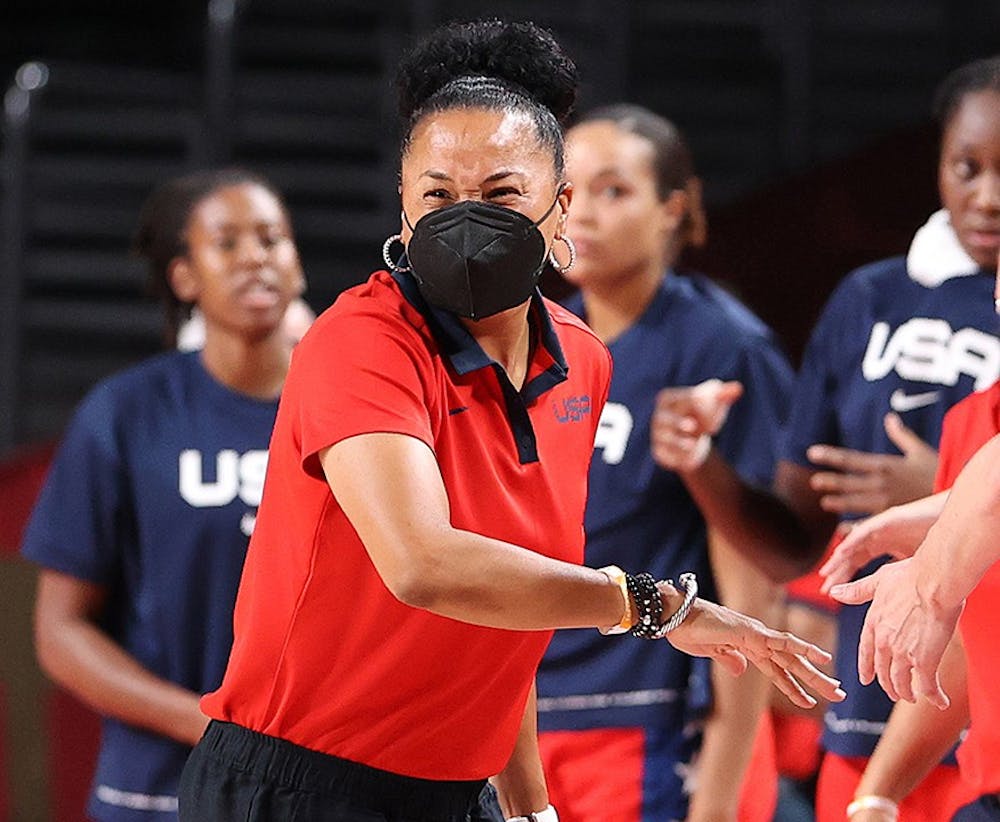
(808,119)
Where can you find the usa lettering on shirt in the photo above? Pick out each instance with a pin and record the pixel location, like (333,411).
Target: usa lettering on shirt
(236,475)
(613,430)
(925,349)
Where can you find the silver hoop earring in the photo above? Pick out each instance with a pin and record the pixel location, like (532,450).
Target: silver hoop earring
(385,253)
(562,269)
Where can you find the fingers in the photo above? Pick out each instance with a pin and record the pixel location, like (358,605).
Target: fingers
(846,459)
(901,674)
(810,676)
(784,682)
(713,399)
(792,674)
(902,437)
(684,420)
(675,449)
(857,592)
(832,482)
(866,653)
(732,660)
(851,554)
(844,527)
(883,662)
(929,687)
(839,571)
(783,642)
(706,403)
(790,663)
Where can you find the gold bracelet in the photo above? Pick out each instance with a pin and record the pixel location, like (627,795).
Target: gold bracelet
(618,576)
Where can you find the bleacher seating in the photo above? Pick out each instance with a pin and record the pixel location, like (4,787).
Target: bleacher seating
(313,110)
(303,92)
(97,139)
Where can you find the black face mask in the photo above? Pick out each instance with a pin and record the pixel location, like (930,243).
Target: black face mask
(476,259)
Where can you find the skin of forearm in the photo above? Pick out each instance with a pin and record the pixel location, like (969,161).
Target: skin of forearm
(484,581)
(391,490)
(727,743)
(738,704)
(765,527)
(962,545)
(80,657)
(521,784)
(918,735)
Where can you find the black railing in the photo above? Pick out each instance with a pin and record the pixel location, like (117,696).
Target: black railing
(30,80)
(220,70)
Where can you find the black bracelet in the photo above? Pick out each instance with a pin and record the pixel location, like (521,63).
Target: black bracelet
(648,605)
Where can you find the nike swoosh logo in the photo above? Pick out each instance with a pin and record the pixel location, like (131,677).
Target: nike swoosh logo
(901,401)
(453,411)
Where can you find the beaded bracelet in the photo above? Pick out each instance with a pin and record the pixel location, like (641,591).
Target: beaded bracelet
(689,583)
(648,605)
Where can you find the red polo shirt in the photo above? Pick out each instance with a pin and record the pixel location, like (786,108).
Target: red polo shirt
(967,427)
(324,656)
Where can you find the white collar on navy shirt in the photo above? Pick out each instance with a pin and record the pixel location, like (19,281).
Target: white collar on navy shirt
(936,255)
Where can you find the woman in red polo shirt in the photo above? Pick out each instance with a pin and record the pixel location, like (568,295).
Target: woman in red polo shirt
(421,526)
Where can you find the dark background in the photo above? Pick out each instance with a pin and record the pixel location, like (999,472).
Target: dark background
(809,121)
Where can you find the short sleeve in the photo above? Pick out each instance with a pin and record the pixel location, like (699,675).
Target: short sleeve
(967,427)
(950,453)
(813,415)
(76,525)
(749,439)
(359,373)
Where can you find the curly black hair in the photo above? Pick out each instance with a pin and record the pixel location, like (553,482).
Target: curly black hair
(492,64)
(979,75)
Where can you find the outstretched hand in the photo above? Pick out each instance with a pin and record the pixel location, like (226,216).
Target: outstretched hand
(735,640)
(866,483)
(896,532)
(903,638)
(685,420)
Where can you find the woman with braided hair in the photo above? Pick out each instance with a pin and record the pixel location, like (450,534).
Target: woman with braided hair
(143,523)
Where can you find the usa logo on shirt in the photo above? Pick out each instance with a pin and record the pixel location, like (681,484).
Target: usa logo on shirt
(572,409)
(236,475)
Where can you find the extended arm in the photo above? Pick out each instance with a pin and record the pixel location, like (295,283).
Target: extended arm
(391,490)
(916,602)
(76,653)
(784,531)
(781,531)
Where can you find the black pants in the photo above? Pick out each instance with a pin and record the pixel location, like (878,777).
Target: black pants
(235,774)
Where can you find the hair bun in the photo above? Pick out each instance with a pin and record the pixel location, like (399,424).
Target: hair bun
(522,55)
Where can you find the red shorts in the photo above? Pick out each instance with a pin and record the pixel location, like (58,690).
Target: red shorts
(934,800)
(631,774)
